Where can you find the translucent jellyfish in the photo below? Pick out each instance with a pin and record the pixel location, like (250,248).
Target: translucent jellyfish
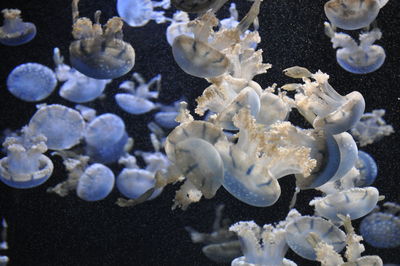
(106,138)
(362,58)
(367,168)
(178,26)
(353,14)
(222,245)
(166,116)
(31,82)
(298,230)
(77,87)
(99,52)
(371,128)
(136,100)
(137,13)
(355,202)
(198,6)
(324,108)
(381,228)
(201,56)
(25,165)
(96,183)
(14,31)
(63,127)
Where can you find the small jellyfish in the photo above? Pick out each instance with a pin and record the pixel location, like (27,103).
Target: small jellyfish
(14,31)
(99,52)
(136,100)
(25,165)
(381,228)
(362,58)
(368,169)
(31,82)
(106,138)
(353,14)
(137,13)
(96,183)
(166,116)
(62,126)
(77,87)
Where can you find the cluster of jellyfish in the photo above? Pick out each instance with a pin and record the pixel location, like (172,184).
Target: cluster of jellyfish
(244,144)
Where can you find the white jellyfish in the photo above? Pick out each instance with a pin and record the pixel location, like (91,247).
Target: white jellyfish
(14,31)
(31,82)
(362,58)
(137,13)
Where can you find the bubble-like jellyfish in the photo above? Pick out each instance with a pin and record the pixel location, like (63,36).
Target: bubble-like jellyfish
(62,126)
(323,107)
(362,58)
(136,100)
(353,14)
(381,228)
(106,138)
(14,31)
(99,52)
(31,82)
(96,183)
(25,165)
(137,13)
(77,87)
(299,229)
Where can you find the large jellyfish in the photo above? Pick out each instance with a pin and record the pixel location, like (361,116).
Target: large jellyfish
(31,82)
(99,52)
(14,31)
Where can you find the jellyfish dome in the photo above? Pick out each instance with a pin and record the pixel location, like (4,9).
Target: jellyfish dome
(14,31)
(381,228)
(135,13)
(96,183)
(31,82)
(62,126)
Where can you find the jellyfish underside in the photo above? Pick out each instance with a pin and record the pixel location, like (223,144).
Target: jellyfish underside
(14,31)
(362,61)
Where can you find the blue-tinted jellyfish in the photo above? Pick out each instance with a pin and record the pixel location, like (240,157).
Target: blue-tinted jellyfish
(31,82)
(14,31)
(353,14)
(77,87)
(381,228)
(368,169)
(137,13)
(63,127)
(25,165)
(99,52)
(362,58)
(136,100)
(96,183)
(167,114)
(106,138)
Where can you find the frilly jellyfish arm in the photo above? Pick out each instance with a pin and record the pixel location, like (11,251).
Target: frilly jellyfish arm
(342,40)
(367,39)
(14,31)
(325,252)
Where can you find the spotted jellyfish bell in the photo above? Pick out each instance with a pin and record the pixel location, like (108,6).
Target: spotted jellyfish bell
(14,31)
(137,13)
(322,106)
(25,165)
(362,58)
(77,87)
(136,100)
(31,82)
(63,127)
(353,14)
(99,52)
(381,228)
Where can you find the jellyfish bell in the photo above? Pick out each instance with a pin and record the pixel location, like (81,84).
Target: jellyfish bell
(99,52)
(352,14)
(31,82)
(14,31)
(135,13)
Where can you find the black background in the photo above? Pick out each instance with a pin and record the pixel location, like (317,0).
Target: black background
(45,229)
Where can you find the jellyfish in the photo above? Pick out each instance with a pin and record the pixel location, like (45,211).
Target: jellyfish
(136,100)
(371,128)
(96,183)
(179,26)
(362,58)
(167,114)
(77,88)
(137,13)
(381,228)
(31,82)
(105,138)
(25,165)
(353,14)
(63,127)
(14,31)
(324,108)
(99,52)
